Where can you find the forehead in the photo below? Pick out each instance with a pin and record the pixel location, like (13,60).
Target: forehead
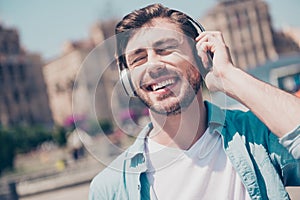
(160,29)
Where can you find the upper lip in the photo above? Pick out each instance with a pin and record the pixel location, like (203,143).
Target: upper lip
(159,83)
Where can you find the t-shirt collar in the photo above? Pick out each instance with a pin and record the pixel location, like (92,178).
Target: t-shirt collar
(216,122)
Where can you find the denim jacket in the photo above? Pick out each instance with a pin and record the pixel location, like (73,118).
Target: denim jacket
(265,163)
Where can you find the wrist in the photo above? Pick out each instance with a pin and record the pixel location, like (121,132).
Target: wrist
(229,79)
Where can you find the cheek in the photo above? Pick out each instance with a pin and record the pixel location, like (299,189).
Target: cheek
(192,73)
(177,57)
(183,61)
(195,71)
(136,75)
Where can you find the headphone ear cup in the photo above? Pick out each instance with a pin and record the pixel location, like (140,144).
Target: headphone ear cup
(125,79)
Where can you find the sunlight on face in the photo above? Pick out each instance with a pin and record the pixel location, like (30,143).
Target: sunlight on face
(162,69)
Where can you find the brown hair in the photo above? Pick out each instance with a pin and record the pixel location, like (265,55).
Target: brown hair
(138,18)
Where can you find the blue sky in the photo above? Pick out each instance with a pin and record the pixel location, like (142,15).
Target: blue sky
(44,25)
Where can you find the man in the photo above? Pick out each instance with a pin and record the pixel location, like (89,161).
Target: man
(193,149)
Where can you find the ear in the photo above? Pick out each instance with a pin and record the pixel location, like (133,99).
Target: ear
(125,78)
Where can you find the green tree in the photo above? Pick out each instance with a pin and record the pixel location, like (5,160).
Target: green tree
(28,138)
(60,136)
(107,126)
(7,149)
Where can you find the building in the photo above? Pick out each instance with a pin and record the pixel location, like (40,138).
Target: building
(23,97)
(293,33)
(84,83)
(79,82)
(247,29)
(268,54)
(287,41)
(60,78)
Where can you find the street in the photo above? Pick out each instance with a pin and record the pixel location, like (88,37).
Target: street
(79,192)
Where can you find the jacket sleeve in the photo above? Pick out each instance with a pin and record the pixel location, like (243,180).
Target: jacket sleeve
(291,141)
(288,157)
(284,152)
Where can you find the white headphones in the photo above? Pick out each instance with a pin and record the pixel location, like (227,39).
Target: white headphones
(125,76)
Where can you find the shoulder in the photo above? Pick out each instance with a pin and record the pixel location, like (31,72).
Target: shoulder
(252,130)
(105,185)
(246,123)
(244,119)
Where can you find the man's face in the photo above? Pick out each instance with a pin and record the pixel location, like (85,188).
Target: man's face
(161,63)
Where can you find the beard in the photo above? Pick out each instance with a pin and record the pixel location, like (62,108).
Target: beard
(190,88)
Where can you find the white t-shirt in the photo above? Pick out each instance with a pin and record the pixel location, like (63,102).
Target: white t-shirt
(202,172)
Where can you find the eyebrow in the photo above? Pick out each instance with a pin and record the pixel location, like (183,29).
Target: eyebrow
(155,45)
(165,41)
(137,51)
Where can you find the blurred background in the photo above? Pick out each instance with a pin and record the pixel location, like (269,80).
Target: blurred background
(61,121)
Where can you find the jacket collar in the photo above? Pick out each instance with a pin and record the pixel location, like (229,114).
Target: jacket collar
(216,122)
(138,146)
(215,117)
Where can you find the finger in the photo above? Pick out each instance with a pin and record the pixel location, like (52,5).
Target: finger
(207,35)
(204,46)
(207,42)
(203,50)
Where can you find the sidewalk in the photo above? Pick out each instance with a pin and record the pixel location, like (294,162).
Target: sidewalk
(41,172)
(79,173)
(79,192)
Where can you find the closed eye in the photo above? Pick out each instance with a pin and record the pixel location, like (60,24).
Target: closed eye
(138,59)
(165,50)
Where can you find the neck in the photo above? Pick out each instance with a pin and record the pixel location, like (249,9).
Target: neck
(181,130)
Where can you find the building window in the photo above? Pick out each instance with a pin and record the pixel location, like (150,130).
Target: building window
(7,104)
(4,47)
(31,118)
(1,73)
(11,71)
(22,72)
(16,96)
(238,19)
(27,95)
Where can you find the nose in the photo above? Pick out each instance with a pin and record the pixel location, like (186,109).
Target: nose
(155,67)
(156,70)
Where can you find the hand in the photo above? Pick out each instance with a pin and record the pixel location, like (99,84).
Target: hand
(221,63)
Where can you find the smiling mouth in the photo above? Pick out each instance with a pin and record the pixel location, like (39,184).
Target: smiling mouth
(161,85)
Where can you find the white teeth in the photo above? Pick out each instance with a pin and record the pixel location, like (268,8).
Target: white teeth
(162,84)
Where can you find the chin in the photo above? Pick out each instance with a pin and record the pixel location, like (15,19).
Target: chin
(167,110)
(170,104)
